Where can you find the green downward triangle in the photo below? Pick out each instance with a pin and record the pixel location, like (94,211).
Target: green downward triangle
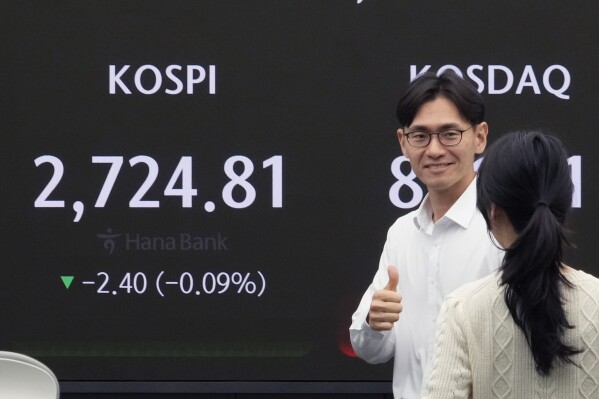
(67,280)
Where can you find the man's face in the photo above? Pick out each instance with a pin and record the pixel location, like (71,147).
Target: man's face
(444,170)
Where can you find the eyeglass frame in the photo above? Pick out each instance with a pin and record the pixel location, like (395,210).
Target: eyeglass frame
(430,136)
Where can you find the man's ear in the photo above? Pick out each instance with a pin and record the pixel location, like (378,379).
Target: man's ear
(402,141)
(480,135)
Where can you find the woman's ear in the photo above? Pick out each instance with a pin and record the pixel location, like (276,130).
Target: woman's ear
(501,227)
(492,212)
(497,215)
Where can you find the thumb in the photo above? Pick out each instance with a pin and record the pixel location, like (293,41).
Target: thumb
(393,279)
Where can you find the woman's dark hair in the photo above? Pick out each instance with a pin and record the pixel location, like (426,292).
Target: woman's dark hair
(527,175)
(448,84)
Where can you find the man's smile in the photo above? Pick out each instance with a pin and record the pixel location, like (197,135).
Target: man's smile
(437,165)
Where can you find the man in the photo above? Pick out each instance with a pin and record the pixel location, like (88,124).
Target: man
(435,249)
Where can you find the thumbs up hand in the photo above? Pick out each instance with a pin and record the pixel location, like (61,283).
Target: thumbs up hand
(386,305)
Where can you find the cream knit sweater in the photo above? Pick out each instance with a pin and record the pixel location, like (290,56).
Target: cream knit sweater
(481,353)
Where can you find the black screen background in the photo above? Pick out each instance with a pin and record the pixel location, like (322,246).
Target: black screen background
(313,81)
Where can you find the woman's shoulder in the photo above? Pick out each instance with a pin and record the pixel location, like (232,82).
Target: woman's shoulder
(582,279)
(472,303)
(483,286)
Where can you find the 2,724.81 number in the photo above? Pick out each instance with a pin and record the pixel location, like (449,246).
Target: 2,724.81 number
(180,183)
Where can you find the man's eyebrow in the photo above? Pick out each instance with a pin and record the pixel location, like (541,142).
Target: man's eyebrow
(422,128)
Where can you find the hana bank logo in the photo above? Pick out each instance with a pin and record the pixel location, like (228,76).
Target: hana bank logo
(108,240)
(136,242)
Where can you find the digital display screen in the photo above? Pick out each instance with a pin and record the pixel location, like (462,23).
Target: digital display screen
(200,190)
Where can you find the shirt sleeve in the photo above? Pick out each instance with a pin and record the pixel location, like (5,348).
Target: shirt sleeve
(451,373)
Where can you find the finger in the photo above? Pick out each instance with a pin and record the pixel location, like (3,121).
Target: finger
(383,321)
(390,309)
(393,279)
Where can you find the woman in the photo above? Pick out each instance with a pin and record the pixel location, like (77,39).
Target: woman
(532,329)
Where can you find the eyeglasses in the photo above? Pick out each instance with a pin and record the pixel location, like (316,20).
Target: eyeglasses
(447,137)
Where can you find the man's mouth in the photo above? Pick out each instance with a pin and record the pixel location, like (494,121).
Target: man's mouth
(437,165)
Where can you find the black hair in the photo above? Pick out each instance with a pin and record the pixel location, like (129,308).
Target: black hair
(527,175)
(448,84)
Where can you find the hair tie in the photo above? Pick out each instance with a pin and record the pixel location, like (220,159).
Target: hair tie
(542,203)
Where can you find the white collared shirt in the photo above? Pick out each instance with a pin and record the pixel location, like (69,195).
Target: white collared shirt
(433,259)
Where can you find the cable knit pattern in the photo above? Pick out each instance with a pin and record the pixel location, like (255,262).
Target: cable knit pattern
(590,331)
(481,353)
(502,349)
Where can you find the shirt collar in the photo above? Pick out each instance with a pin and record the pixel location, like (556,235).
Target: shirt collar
(461,212)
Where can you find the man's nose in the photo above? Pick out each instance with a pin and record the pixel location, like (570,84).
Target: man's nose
(435,148)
